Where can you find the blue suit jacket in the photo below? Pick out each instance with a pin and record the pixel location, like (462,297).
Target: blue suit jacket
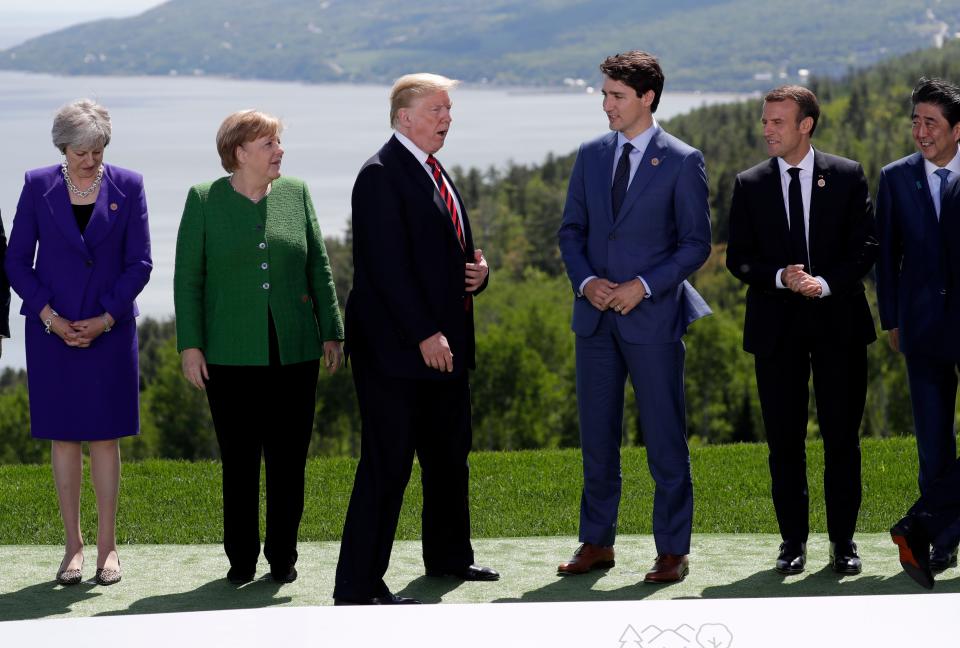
(662,234)
(911,272)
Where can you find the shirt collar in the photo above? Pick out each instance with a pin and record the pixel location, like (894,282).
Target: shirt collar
(806,164)
(954,165)
(410,146)
(640,141)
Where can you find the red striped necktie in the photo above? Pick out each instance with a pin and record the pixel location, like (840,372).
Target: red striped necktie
(447,197)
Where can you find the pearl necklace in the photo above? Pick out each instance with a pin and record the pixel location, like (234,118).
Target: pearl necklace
(73,188)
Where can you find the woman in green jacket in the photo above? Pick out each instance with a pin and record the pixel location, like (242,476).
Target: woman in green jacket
(256,312)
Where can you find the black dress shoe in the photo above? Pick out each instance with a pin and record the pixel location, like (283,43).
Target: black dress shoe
(914,551)
(284,574)
(942,558)
(389,599)
(792,558)
(238,576)
(844,558)
(468,573)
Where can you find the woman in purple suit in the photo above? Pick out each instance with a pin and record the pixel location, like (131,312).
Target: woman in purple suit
(86,224)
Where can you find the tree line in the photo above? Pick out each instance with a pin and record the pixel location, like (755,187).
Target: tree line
(523,391)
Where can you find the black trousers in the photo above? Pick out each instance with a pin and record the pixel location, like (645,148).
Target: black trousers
(399,418)
(262,411)
(840,392)
(938,509)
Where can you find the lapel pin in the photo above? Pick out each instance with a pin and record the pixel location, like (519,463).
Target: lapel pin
(654,161)
(821,182)
(113,207)
(919,185)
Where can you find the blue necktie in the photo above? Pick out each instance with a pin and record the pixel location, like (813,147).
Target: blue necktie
(621,179)
(944,177)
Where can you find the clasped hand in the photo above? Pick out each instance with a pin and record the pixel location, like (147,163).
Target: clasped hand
(623,298)
(476,273)
(79,333)
(794,278)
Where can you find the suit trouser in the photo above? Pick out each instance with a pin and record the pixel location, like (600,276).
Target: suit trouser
(604,360)
(933,397)
(400,417)
(938,509)
(264,410)
(840,391)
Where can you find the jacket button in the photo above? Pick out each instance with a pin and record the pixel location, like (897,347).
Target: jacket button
(612,236)
(263,266)
(89,262)
(263,245)
(266,285)
(943,291)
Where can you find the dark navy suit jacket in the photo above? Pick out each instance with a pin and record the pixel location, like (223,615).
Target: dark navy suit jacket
(912,270)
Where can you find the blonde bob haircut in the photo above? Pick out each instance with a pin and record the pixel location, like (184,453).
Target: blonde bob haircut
(241,127)
(411,87)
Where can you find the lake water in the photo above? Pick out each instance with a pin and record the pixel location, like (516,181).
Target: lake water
(164,127)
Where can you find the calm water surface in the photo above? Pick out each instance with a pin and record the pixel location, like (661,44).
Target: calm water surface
(164,127)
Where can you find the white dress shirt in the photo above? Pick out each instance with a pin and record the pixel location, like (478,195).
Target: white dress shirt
(933,180)
(639,143)
(422,159)
(806,190)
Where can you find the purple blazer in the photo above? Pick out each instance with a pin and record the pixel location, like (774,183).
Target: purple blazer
(92,393)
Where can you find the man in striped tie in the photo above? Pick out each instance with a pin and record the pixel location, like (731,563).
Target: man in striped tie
(409,336)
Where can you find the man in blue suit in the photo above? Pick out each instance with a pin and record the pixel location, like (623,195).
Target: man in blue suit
(635,225)
(913,286)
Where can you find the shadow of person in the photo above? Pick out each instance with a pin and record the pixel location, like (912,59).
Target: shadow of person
(44,600)
(825,582)
(581,588)
(430,589)
(218,594)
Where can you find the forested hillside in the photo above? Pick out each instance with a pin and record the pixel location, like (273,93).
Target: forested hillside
(721,45)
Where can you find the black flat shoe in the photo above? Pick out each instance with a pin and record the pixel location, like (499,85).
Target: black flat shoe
(238,576)
(468,573)
(286,575)
(389,599)
(792,558)
(844,558)
(942,558)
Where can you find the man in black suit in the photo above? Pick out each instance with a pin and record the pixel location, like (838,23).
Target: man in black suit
(409,334)
(802,239)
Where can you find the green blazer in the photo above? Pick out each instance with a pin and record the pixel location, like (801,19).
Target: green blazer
(238,260)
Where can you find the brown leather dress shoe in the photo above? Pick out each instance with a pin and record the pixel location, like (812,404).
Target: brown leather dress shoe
(668,568)
(586,558)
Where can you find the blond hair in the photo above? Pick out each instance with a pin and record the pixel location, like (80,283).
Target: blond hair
(239,128)
(411,87)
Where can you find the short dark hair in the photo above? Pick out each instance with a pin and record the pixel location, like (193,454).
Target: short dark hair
(804,98)
(940,93)
(639,70)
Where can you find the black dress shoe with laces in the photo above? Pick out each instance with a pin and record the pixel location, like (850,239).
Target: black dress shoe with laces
(942,558)
(844,558)
(388,599)
(468,573)
(792,558)
(914,551)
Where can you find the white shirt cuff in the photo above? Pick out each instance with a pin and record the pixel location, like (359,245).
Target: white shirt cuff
(824,287)
(779,281)
(583,284)
(646,286)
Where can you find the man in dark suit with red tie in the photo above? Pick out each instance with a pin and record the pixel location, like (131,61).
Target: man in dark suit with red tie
(409,337)
(802,239)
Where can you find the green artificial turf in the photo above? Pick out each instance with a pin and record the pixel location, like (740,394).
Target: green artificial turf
(513,494)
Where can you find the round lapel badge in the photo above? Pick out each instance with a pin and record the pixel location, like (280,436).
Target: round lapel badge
(114,207)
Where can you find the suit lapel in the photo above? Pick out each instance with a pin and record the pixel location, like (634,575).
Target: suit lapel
(653,157)
(608,147)
(921,189)
(818,200)
(61,211)
(110,203)
(773,188)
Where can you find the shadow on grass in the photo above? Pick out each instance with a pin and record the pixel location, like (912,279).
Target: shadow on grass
(430,589)
(218,594)
(44,600)
(770,584)
(580,588)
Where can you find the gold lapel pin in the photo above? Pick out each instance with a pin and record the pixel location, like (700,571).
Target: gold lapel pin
(821,182)
(113,207)
(654,161)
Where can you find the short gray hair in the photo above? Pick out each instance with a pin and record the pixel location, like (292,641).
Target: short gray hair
(81,124)
(412,86)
